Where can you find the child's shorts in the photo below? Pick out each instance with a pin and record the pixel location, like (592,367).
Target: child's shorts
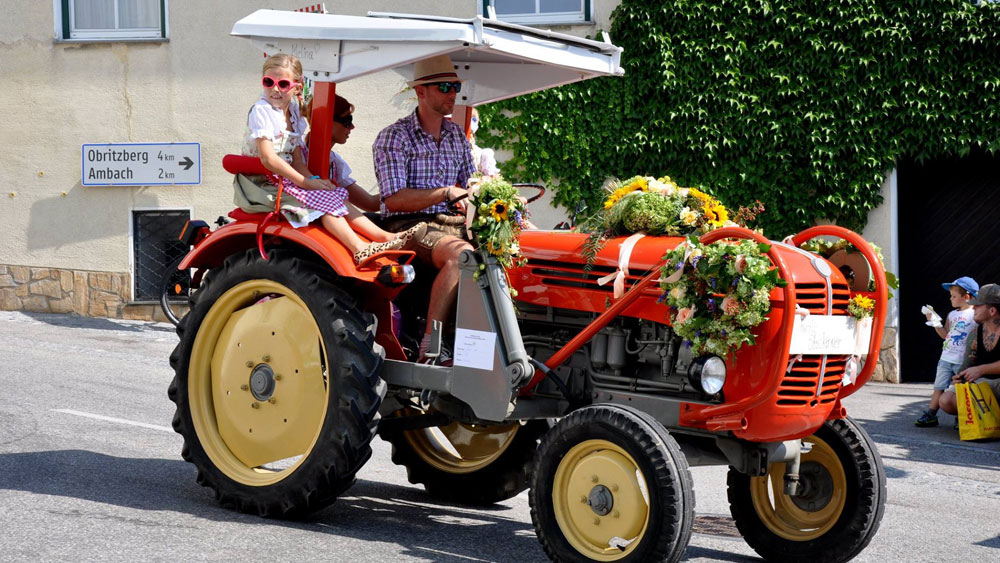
(945,371)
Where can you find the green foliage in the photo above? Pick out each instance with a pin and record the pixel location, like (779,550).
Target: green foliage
(803,106)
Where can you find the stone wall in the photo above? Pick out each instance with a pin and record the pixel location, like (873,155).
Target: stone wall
(92,294)
(887,369)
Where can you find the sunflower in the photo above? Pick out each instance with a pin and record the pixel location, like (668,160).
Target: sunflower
(698,194)
(716,213)
(498,209)
(639,184)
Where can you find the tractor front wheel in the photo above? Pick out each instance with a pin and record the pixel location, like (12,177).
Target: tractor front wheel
(611,484)
(838,510)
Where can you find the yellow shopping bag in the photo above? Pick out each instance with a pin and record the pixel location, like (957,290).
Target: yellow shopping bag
(978,412)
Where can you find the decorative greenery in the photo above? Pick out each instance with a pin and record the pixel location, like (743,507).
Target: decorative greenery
(499,214)
(861,307)
(801,105)
(718,292)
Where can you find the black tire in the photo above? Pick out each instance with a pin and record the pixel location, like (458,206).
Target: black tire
(614,444)
(826,525)
(480,478)
(324,381)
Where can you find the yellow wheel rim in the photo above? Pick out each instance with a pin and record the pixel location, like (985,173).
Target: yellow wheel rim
(462,448)
(812,514)
(257,382)
(601,500)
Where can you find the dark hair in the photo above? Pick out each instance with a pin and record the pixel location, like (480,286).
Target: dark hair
(342,107)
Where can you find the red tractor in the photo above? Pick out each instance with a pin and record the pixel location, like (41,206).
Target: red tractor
(292,358)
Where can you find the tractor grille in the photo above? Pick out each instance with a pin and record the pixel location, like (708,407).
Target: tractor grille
(813,296)
(798,388)
(562,274)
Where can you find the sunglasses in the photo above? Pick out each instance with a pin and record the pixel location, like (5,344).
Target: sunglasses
(346,121)
(443,87)
(283,84)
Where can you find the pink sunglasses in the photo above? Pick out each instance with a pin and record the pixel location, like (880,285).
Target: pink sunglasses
(283,84)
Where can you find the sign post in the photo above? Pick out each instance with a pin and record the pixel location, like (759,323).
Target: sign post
(141,164)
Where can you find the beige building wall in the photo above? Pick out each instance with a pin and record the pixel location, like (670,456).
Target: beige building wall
(196,86)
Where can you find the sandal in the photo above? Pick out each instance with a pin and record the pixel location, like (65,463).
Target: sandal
(376,247)
(411,237)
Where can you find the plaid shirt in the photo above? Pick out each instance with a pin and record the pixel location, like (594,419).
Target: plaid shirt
(406,156)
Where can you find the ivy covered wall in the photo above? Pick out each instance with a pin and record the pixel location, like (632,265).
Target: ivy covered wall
(804,106)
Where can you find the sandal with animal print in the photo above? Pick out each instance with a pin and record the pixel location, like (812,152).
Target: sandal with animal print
(376,247)
(412,236)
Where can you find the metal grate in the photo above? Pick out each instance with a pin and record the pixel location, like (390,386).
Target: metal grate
(156,248)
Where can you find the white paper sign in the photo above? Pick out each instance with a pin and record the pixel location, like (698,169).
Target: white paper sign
(475,348)
(830,334)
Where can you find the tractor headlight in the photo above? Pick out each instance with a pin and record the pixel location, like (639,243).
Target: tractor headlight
(708,373)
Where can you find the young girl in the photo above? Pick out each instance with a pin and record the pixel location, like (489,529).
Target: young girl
(275,134)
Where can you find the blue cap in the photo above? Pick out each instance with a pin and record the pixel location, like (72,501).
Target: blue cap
(964,282)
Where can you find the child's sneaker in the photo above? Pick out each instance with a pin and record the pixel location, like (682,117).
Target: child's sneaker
(929,418)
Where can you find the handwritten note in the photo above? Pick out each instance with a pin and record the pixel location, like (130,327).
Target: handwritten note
(475,348)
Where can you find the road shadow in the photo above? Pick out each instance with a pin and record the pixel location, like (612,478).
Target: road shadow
(98,323)
(936,445)
(369,511)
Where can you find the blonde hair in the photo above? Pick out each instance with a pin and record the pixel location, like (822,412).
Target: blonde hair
(290,62)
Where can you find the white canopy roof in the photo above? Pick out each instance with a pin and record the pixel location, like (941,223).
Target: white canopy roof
(497,60)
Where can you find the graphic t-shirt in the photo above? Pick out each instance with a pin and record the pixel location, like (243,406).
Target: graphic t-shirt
(960,323)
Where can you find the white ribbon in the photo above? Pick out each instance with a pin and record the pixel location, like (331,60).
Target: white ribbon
(851,370)
(801,311)
(624,254)
(791,363)
(679,271)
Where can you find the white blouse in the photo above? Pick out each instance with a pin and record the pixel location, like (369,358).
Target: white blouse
(267,122)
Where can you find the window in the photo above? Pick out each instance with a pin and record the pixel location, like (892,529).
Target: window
(111,20)
(540,11)
(155,248)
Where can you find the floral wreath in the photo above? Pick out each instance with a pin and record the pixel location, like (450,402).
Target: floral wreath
(495,219)
(718,292)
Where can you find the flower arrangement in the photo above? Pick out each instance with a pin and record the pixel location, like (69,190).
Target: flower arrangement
(658,206)
(718,292)
(499,215)
(861,307)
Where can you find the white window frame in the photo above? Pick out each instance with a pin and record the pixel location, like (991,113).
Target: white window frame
(575,17)
(65,26)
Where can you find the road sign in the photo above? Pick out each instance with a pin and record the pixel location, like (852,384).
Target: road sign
(141,164)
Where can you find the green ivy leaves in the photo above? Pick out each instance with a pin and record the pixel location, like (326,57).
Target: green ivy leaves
(804,106)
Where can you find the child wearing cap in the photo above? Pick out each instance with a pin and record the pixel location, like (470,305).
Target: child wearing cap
(954,332)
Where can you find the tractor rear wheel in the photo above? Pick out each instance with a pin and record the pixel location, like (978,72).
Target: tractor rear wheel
(277,385)
(836,514)
(467,463)
(611,484)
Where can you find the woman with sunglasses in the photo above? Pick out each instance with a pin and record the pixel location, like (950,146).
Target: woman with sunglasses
(276,134)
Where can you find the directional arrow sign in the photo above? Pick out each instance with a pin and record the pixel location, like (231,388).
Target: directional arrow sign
(141,164)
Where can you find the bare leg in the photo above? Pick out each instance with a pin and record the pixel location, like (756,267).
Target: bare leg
(444,291)
(935,399)
(947,402)
(343,232)
(364,225)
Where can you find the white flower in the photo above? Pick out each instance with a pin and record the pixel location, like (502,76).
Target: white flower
(678,292)
(688,217)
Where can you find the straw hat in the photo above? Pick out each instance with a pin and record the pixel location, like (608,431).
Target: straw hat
(434,69)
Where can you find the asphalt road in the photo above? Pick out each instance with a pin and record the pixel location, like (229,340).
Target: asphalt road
(91,471)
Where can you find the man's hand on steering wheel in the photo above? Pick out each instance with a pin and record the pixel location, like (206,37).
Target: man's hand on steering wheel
(456,198)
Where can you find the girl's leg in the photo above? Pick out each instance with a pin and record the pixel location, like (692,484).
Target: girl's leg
(364,225)
(343,232)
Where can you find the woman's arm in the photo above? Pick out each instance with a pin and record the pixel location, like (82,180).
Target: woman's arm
(362,199)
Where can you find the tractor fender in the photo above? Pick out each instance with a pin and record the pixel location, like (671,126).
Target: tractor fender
(236,237)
